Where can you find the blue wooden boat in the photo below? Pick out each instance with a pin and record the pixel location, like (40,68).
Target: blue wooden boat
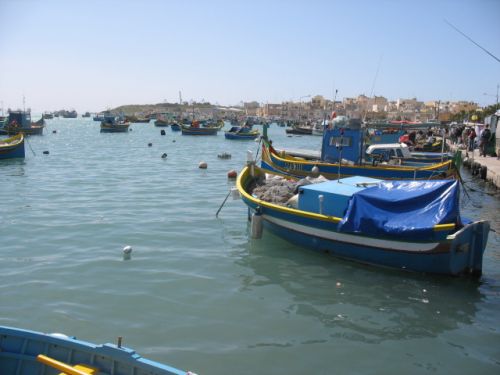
(25,352)
(12,147)
(20,121)
(409,225)
(114,124)
(342,155)
(241,132)
(175,126)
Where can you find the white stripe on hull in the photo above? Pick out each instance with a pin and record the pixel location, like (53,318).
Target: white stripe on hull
(353,239)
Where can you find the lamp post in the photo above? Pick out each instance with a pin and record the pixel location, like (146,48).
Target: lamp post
(495,96)
(300,104)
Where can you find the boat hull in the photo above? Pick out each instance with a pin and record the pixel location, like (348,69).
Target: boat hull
(13,147)
(300,168)
(241,136)
(19,349)
(116,128)
(448,253)
(199,131)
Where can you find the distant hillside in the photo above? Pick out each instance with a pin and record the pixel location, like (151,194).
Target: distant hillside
(131,109)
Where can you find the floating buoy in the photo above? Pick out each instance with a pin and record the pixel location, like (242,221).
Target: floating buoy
(45,152)
(150,144)
(54,131)
(162,132)
(224,155)
(315,171)
(232,174)
(202,165)
(256,225)
(130,130)
(173,141)
(164,156)
(127,252)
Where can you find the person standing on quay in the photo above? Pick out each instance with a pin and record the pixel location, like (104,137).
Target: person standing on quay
(483,142)
(472,137)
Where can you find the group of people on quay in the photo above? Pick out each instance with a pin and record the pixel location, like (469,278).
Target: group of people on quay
(472,137)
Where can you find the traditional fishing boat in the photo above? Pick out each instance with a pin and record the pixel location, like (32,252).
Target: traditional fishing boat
(300,129)
(114,124)
(25,352)
(409,225)
(20,121)
(12,147)
(241,132)
(342,155)
(175,126)
(196,129)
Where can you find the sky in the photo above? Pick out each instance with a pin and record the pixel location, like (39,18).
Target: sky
(92,55)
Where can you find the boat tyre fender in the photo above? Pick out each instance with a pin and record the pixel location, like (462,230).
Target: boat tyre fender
(483,172)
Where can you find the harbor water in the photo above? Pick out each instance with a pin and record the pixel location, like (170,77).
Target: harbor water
(198,293)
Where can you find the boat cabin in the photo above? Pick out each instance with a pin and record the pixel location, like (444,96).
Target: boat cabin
(386,152)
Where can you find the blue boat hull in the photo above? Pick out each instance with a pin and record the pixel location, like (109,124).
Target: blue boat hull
(19,349)
(301,168)
(11,148)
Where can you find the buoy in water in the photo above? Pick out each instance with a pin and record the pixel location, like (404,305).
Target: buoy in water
(45,152)
(164,155)
(54,131)
(150,144)
(315,171)
(127,252)
(173,141)
(162,132)
(256,226)
(232,174)
(202,165)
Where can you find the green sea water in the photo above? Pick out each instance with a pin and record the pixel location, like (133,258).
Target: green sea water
(198,293)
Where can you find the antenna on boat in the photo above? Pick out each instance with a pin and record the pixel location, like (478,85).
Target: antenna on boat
(339,147)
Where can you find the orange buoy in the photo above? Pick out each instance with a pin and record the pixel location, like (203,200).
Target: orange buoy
(232,174)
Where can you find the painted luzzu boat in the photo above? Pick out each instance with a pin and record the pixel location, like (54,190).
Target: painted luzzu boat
(286,164)
(25,352)
(410,225)
(241,132)
(114,124)
(12,147)
(196,129)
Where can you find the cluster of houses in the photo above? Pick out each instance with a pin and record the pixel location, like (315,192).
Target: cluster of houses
(370,108)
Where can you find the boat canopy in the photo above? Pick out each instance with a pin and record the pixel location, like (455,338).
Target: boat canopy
(403,209)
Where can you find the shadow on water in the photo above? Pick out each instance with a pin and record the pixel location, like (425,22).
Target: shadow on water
(359,302)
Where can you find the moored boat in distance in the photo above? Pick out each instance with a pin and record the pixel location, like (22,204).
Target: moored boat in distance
(114,124)
(408,225)
(26,352)
(12,147)
(198,128)
(241,132)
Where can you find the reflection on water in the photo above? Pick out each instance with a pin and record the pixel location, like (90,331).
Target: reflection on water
(358,302)
(11,168)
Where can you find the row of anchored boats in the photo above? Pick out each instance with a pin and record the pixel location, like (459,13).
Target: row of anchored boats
(402,213)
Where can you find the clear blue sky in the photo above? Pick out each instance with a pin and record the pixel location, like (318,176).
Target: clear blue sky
(90,55)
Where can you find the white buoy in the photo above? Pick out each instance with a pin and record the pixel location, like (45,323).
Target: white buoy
(315,171)
(256,226)
(127,252)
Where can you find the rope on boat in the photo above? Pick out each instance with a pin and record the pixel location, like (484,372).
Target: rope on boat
(29,144)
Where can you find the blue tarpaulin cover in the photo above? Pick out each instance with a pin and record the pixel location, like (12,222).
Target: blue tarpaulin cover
(403,209)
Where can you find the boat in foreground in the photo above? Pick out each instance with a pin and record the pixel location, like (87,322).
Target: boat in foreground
(12,147)
(20,121)
(25,352)
(410,225)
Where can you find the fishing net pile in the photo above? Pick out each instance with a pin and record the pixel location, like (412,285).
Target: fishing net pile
(279,190)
